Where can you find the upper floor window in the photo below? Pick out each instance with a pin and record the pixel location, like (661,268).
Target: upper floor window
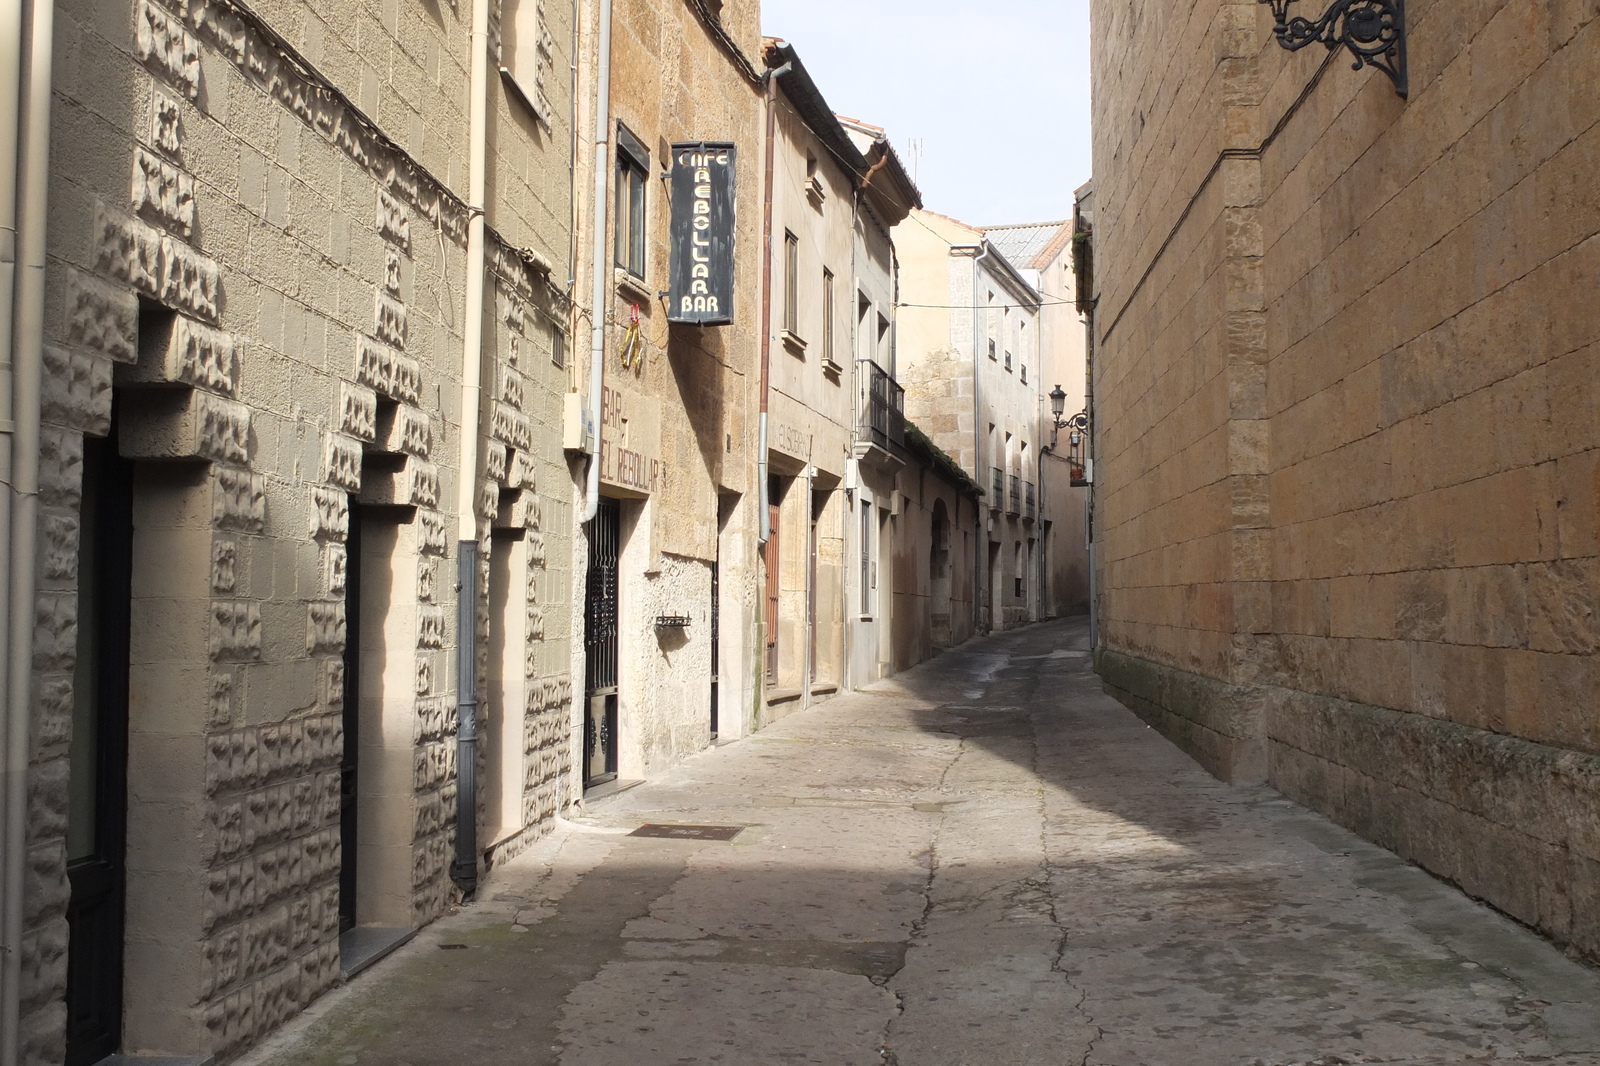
(633,169)
(827,317)
(791,283)
(526,53)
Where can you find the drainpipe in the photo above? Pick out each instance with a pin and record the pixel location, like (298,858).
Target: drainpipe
(25,159)
(762,490)
(599,299)
(465,872)
(979,542)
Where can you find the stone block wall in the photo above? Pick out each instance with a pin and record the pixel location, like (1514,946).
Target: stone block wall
(1347,452)
(257,245)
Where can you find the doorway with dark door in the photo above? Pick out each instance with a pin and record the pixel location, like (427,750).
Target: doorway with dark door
(98,808)
(772,558)
(350,761)
(600,650)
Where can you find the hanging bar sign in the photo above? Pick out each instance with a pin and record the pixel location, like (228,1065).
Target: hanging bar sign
(703,190)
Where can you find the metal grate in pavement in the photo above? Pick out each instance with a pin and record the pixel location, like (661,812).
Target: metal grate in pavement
(689,832)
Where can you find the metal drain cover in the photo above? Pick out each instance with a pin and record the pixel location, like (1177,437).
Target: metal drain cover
(689,832)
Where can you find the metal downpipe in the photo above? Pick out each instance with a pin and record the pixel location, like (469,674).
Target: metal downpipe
(465,869)
(597,313)
(33,185)
(980,540)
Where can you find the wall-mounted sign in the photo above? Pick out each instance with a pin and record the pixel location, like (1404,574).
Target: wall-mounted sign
(701,285)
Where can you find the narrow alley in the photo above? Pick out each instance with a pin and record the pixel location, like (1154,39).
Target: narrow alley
(985,860)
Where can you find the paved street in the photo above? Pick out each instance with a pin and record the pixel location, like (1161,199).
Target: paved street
(984,861)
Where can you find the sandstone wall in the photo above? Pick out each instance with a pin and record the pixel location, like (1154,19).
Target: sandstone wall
(277,307)
(1347,446)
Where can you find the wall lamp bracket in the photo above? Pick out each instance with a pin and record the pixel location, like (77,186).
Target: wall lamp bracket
(1374,31)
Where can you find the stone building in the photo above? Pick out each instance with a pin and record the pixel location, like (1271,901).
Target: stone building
(667,565)
(1346,446)
(1042,253)
(304,315)
(968,342)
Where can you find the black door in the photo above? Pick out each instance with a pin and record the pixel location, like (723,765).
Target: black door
(716,640)
(348,764)
(98,811)
(600,646)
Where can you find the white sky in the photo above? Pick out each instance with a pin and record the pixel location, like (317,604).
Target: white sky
(997,92)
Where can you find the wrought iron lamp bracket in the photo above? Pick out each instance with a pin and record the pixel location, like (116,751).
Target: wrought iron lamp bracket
(1374,31)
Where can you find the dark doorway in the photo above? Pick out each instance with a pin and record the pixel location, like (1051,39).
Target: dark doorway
(716,638)
(770,554)
(600,646)
(349,764)
(98,810)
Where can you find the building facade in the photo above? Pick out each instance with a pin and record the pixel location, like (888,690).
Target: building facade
(969,346)
(290,381)
(1042,253)
(1345,434)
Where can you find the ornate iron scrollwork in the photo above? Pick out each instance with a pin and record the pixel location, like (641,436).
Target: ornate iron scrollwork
(1374,31)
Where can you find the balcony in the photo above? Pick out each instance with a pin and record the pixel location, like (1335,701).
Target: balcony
(881,420)
(1030,505)
(1016,496)
(997,492)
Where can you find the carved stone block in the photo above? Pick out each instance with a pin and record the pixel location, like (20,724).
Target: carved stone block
(60,547)
(423,483)
(60,467)
(341,461)
(495,461)
(186,425)
(76,390)
(224,566)
(389,321)
(235,630)
(163,193)
(427,579)
(405,429)
(392,271)
(195,354)
(325,627)
(511,426)
(430,626)
(334,568)
(157,264)
(513,387)
(387,371)
(164,46)
(433,534)
(166,123)
(239,501)
(488,500)
(102,318)
(522,474)
(330,514)
(358,411)
(394,221)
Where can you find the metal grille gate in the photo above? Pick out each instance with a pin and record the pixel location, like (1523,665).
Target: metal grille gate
(600,646)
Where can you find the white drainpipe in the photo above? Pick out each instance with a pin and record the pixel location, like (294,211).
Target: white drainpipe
(25,160)
(599,298)
(465,871)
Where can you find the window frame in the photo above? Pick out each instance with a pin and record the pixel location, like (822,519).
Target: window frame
(791,283)
(828,317)
(631,223)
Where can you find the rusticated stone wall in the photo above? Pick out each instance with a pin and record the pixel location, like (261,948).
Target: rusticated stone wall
(257,244)
(1347,453)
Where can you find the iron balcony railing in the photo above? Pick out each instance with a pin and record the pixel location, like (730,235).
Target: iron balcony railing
(1016,495)
(1029,503)
(998,496)
(883,407)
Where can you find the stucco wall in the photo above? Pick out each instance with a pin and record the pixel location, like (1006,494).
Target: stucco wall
(1347,447)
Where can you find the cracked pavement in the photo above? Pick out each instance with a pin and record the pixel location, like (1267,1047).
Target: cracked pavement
(984,861)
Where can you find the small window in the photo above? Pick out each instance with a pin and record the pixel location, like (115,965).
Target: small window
(791,283)
(1024,373)
(992,349)
(827,318)
(558,348)
(1008,359)
(633,169)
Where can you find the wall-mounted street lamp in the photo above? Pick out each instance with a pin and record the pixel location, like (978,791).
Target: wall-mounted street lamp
(1373,30)
(1077,435)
